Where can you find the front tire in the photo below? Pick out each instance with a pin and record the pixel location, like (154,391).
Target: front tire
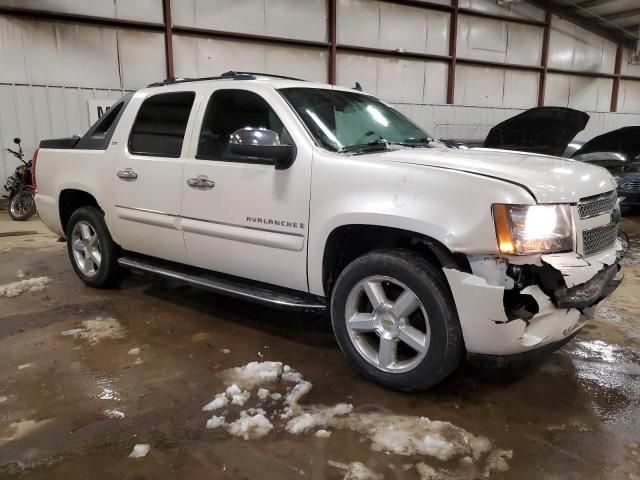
(395,320)
(92,251)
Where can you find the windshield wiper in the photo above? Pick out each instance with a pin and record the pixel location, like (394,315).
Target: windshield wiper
(375,145)
(418,142)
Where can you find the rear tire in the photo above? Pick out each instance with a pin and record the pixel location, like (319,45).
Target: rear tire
(411,339)
(92,251)
(22,205)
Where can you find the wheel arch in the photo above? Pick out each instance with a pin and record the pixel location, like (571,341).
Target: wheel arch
(71,199)
(347,242)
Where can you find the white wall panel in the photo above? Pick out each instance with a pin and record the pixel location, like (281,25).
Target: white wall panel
(304,20)
(519,10)
(58,53)
(142,59)
(474,123)
(141,10)
(394,80)
(499,41)
(497,87)
(627,67)
(97,8)
(573,48)
(392,27)
(12,57)
(358,22)
(34,113)
(582,93)
(629,96)
(413,29)
(201,57)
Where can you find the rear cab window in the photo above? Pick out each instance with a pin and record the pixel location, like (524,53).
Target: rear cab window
(160,125)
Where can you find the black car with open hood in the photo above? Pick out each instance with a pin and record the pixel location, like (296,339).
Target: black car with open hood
(545,130)
(619,152)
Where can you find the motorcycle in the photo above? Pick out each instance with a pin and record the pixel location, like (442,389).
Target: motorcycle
(20,192)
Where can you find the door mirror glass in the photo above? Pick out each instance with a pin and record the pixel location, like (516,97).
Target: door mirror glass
(262,145)
(254,136)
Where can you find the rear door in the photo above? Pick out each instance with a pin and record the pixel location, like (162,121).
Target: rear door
(148,174)
(246,218)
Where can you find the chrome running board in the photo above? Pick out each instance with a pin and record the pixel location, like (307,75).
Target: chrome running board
(227,285)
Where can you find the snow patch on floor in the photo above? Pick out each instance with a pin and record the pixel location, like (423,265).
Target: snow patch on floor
(253,374)
(468,455)
(134,351)
(318,417)
(3,399)
(26,365)
(96,330)
(18,430)
(29,285)
(249,426)
(356,471)
(497,461)
(219,401)
(140,450)
(216,422)
(263,394)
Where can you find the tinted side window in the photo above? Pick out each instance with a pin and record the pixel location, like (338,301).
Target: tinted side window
(228,111)
(160,124)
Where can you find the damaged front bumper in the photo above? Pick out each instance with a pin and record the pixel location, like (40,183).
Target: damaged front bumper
(508,307)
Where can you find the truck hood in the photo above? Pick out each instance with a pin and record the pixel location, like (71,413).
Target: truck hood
(546,130)
(624,141)
(548,179)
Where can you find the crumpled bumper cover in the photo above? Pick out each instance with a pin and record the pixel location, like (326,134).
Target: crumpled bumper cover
(589,293)
(489,329)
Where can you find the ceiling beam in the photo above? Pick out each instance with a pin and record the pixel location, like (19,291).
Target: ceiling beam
(588,3)
(615,36)
(618,15)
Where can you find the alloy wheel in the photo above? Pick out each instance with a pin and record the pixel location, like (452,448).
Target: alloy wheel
(387,324)
(86,248)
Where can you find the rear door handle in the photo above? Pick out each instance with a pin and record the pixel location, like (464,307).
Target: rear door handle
(127,174)
(201,182)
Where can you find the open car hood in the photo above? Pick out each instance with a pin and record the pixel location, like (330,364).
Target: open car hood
(624,141)
(546,130)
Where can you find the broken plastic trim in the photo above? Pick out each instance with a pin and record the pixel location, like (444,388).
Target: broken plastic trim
(586,294)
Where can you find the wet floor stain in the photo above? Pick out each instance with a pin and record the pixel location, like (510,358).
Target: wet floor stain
(82,406)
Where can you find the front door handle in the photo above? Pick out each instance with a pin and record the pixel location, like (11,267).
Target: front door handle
(127,174)
(201,182)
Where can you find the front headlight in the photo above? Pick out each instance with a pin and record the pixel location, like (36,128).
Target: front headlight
(529,229)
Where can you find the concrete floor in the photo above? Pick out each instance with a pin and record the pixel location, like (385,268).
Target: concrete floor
(75,407)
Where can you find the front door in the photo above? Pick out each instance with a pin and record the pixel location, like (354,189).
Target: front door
(148,175)
(241,216)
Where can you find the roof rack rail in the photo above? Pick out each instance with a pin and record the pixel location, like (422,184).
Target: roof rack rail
(230,75)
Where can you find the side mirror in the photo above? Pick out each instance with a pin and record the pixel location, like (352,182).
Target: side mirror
(262,145)
(17,140)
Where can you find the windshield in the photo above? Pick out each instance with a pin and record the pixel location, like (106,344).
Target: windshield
(344,121)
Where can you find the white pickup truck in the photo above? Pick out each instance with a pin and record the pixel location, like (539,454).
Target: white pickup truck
(311,196)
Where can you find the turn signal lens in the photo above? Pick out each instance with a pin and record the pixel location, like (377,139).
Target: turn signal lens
(503,229)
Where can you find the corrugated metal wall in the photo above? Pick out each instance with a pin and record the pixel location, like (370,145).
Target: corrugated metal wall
(474,123)
(50,68)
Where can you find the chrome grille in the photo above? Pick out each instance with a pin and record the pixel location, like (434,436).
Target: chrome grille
(631,186)
(597,205)
(598,239)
